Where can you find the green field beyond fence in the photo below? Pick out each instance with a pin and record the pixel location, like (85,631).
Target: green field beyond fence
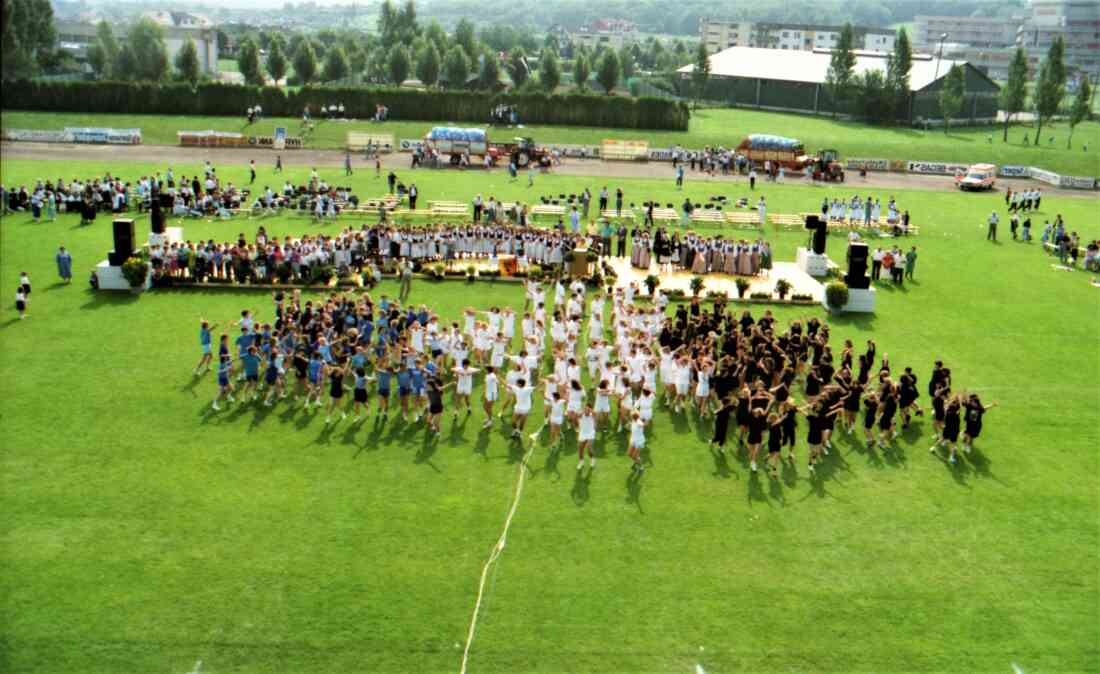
(710,127)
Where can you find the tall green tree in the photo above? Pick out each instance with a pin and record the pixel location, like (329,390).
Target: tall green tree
(609,70)
(103,53)
(466,38)
(435,34)
(701,72)
(456,67)
(187,63)
(357,59)
(428,65)
(839,77)
(248,62)
(898,67)
(488,76)
(398,64)
(336,65)
(628,57)
(952,95)
(126,63)
(305,62)
(549,70)
(27,37)
(146,42)
(1082,106)
(1050,88)
(581,71)
(1014,94)
(517,67)
(875,95)
(276,60)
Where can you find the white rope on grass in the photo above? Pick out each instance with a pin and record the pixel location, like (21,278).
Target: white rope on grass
(497,549)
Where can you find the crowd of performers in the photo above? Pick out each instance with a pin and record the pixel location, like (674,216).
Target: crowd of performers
(699,254)
(599,364)
(356,249)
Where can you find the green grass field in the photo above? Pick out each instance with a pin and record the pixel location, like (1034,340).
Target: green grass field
(143,533)
(708,127)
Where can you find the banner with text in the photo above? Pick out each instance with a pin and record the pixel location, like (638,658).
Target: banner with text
(869,164)
(1048,177)
(37,136)
(104,136)
(1013,171)
(936,168)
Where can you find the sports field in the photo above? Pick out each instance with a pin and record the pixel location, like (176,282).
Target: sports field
(714,127)
(144,533)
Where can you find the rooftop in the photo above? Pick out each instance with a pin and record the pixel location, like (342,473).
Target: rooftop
(811,66)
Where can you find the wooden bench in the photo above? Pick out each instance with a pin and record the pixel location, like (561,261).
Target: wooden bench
(665,214)
(547,210)
(708,216)
(611,214)
(358,141)
(743,219)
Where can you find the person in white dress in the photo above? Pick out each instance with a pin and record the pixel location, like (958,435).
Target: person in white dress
(637,441)
(491,395)
(585,437)
(464,384)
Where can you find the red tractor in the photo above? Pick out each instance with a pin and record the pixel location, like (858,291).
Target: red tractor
(521,152)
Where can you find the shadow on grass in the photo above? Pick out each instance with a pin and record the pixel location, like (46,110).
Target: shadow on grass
(864,322)
(580,491)
(97,299)
(634,489)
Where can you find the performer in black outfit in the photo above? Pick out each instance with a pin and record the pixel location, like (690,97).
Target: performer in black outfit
(721,424)
(974,412)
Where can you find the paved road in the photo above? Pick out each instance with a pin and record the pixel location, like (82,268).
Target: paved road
(573,167)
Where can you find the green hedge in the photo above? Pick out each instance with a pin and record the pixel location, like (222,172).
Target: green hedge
(404,104)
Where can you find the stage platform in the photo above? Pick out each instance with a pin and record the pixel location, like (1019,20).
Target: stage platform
(801,282)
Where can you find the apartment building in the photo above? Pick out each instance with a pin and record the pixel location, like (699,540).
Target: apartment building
(719,35)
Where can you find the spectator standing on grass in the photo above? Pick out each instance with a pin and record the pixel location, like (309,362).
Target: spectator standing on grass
(762,211)
(391,180)
(1026,232)
(64,264)
(876,263)
(586,200)
(413,193)
(603,199)
(278,167)
(679,177)
(991,233)
(347,164)
(618,201)
(621,251)
(752,178)
(575,220)
(910,262)
(405,270)
(531,175)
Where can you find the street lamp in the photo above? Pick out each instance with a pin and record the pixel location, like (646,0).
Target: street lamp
(939,57)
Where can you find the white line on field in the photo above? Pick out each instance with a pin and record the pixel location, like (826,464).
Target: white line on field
(497,549)
(197,669)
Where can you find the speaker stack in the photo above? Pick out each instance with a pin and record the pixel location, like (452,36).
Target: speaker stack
(124,242)
(857,266)
(819,228)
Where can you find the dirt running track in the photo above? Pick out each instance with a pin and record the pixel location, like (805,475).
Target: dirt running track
(572,167)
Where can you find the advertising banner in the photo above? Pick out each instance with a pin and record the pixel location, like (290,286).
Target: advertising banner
(104,136)
(937,168)
(870,164)
(280,137)
(1078,182)
(1013,171)
(37,136)
(1045,176)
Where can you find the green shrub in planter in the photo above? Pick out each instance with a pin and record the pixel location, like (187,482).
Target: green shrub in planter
(592,256)
(718,295)
(651,283)
(743,284)
(801,297)
(696,285)
(438,271)
(569,255)
(135,270)
(471,272)
(760,296)
(323,274)
(836,294)
(782,287)
(676,292)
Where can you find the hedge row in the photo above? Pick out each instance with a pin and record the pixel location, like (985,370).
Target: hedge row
(404,104)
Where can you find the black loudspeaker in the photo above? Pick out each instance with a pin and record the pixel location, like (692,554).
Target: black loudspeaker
(861,282)
(156,217)
(812,222)
(857,266)
(819,239)
(857,252)
(124,242)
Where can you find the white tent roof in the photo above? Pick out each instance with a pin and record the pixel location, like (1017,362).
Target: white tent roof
(810,66)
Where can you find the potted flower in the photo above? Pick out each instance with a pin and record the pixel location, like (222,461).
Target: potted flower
(471,272)
(135,270)
(651,283)
(696,285)
(836,295)
(438,271)
(782,287)
(743,285)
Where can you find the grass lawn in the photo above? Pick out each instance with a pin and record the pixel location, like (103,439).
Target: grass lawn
(143,533)
(228,66)
(708,127)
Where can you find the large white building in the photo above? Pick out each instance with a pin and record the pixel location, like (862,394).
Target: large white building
(719,35)
(178,26)
(75,36)
(1078,24)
